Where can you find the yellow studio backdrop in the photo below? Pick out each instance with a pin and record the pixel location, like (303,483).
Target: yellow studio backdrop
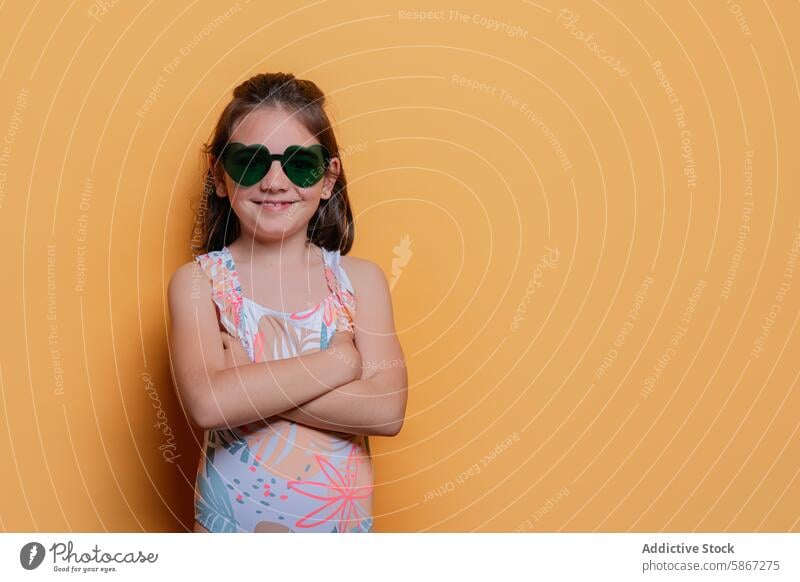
(587,212)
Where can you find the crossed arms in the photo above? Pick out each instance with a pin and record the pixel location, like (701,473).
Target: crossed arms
(358,385)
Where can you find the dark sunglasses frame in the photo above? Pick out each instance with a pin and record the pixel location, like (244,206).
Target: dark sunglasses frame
(248,164)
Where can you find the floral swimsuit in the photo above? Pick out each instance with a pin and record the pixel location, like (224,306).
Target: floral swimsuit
(274,474)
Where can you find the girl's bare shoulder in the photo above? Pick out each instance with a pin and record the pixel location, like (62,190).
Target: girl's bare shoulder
(365,275)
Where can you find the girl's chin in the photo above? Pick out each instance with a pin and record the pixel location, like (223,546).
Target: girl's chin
(269,233)
(273,222)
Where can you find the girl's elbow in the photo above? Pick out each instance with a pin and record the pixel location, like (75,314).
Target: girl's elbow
(390,409)
(386,428)
(192,403)
(396,413)
(393,428)
(202,409)
(200,417)
(205,405)
(213,416)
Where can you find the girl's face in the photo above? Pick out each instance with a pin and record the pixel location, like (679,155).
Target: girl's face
(277,130)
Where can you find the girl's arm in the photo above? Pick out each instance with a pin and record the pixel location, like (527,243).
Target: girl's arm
(375,403)
(218,397)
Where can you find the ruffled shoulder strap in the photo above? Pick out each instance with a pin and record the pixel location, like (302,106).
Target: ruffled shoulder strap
(339,282)
(225,290)
(334,259)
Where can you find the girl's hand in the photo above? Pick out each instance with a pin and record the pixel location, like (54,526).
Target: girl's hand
(235,354)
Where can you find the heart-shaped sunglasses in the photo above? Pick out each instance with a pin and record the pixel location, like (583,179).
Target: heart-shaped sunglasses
(248,164)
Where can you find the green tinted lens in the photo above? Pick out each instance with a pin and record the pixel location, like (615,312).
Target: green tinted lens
(246,165)
(305,166)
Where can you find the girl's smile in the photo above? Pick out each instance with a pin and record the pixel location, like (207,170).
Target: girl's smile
(276,206)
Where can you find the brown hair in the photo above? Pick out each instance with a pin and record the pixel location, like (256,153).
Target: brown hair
(331,226)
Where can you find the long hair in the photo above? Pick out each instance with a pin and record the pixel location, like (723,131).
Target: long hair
(331,226)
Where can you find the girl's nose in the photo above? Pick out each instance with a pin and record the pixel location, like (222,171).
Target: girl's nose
(275,178)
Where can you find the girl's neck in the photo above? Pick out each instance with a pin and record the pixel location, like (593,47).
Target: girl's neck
(292,250)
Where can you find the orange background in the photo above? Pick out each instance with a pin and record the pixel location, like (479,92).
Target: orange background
(591,212)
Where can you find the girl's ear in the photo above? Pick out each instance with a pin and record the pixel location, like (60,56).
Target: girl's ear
(216,173)
(329,181)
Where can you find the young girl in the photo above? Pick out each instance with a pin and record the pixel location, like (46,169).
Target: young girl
(283,350)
